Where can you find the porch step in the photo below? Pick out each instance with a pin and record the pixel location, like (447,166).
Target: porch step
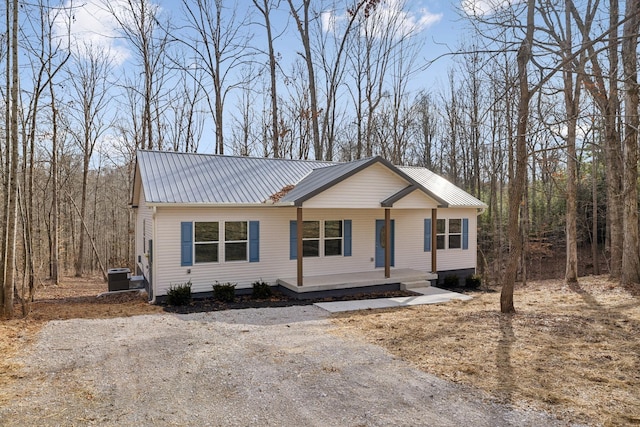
(417,284)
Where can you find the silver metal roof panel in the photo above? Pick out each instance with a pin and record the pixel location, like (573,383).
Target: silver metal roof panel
(453,195)
(189,178)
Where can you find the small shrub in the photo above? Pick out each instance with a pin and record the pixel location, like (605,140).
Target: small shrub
(179,294)
(261,290)
(225,292)
(451,281)
(472,281)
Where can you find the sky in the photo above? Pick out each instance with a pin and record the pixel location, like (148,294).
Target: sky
(437,21)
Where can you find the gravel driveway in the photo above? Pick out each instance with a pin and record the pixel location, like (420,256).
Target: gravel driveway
(262,367)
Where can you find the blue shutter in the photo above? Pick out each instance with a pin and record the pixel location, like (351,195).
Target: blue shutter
(465,233)
(254,241)
(186,247)
(347,237)
(427,235)
(293,240)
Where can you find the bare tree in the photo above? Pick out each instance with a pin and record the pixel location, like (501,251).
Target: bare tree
(89,80)
(629,55)
(559,27)
(603,87)
(265,7)
(220,46)
(517,186)
(301,16)
(184,119)
(139,22)
(12,143)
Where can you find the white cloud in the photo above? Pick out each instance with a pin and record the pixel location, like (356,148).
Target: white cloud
(388,16)
(485,7)
(330,21)
(91,24)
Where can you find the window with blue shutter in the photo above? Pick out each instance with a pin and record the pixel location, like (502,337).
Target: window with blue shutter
(254,241)
(186,244)
(465,233)
(293,240)
(347,237)
(427,235)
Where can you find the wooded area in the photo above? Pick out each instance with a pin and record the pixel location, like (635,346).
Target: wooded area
(538,117)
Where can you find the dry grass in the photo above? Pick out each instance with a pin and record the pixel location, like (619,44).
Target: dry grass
(73,298)
(570,350)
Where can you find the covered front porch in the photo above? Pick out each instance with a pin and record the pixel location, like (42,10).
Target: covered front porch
(365,279)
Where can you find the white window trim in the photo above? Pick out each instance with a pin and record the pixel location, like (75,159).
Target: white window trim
(447,233)
(205,242)
(246,242)
(325,238)
(322,238)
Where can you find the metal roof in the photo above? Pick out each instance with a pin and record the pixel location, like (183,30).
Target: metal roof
(189,178)
(453,195)
(170,177)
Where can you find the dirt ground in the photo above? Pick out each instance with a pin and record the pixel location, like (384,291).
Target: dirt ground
(73,298)
(570,350)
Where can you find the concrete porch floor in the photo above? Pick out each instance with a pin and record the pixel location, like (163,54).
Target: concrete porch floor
(330,282)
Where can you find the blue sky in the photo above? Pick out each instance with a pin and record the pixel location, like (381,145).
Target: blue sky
(440,28)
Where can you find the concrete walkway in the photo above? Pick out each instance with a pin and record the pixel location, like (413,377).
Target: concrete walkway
(429,295)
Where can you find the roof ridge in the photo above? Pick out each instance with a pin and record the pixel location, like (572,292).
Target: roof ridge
(235,156)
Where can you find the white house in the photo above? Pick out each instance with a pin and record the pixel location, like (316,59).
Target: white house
(307,226)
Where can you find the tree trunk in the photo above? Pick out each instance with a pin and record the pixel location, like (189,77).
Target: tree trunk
(516,188)
(594,223)
(303,28)
(11,225)
(630,254)
(613,152)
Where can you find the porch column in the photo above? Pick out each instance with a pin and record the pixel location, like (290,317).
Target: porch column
(434,240)
(387,243)
(300,228)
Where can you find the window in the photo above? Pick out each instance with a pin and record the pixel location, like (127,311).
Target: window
(455,233)
(441,230)
(311,238)
(332,238)
(235,241)
(206,241)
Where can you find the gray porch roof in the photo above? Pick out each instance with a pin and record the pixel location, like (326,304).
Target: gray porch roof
(188,178)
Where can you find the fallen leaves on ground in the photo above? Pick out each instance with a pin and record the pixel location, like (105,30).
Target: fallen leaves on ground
(571,350)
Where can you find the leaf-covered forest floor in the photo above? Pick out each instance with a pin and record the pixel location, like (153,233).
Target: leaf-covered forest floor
(571,350)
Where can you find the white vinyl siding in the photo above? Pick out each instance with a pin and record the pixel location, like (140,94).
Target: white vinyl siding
(454,259)
(365,189)
(416,200)
(274,248)
(144,233)
(274,245)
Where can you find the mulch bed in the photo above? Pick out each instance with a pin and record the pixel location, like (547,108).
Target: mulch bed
(276,300)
